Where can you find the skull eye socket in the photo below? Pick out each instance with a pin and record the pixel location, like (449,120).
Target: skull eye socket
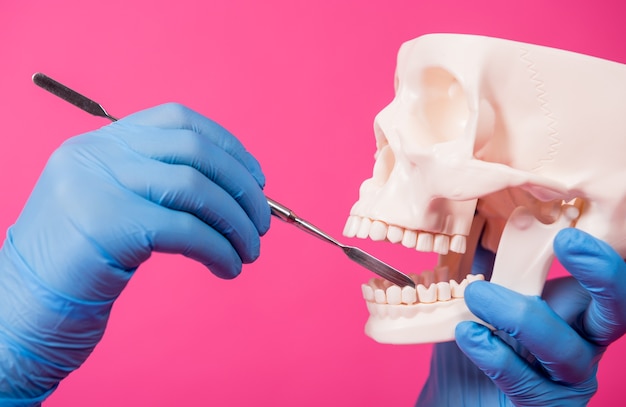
(443,105)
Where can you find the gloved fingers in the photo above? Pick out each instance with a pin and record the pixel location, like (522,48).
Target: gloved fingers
(602,272)
(542,332)
(510,372)
(185,147)
(183,188)
(515,377)
(176,116)
(160,229)
(567,298)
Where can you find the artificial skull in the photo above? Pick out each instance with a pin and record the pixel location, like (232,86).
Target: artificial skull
(489,142)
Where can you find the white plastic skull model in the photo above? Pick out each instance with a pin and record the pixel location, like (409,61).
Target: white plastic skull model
(491,140)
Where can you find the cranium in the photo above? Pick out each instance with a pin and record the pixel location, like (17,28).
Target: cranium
(491,142)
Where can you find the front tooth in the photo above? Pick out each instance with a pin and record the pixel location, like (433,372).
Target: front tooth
(394,234)
(379,296)
(409,238)
(424,242)
(364,228)
(427,295)
(394,295)
(441,244)
(458,290)
(378,231)
(458,244)
(352,226)
(368,292)
(409,295)
(444,292)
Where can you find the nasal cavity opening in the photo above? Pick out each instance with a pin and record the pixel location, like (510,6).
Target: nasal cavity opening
(385,161)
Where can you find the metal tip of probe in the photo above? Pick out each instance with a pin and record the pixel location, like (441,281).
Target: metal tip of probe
(354,253)
(71,96)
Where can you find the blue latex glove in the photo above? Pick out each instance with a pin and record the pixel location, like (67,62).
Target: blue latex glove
(546,352)
(165,179)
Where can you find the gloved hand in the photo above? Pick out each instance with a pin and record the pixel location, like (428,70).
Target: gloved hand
(165,179)
(546,352)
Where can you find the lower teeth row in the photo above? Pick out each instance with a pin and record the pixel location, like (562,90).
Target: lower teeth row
(382,292)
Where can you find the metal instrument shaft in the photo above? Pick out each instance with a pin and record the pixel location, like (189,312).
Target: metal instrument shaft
(282,212)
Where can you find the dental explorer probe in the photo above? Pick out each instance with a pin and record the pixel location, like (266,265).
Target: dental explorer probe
(71,96)
(282,212)
(359,256)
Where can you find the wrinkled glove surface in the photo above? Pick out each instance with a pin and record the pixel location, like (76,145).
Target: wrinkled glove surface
(545,351)
(165,179)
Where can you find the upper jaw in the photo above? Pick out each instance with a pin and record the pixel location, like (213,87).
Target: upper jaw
(455,251)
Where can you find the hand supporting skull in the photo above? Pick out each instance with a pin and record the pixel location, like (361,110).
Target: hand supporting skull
(489,142)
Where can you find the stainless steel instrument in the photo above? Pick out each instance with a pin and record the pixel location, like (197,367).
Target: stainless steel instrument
(359,256)
(282,212)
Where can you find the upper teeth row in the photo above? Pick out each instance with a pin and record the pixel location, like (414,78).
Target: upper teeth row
(362,228)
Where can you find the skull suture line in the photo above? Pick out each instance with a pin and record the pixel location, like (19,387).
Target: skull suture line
(489,142)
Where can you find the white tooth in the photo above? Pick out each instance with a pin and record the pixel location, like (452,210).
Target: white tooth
(394,295)
(427,295)
(368,292)
(424,242)
(441,244)
(409,238)
(379,296)
(458,290)
(409,295)
(474,277)
(427,278)
(444,292)
(352,226)
(378,230)
(395,234)
(458,244)
(364,228)
(346,227)
(442,273)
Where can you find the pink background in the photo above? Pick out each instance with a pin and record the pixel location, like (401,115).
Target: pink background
(299,82)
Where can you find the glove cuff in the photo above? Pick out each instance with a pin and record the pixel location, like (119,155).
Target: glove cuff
(44,335)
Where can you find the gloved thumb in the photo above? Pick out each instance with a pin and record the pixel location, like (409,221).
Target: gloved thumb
(602,272)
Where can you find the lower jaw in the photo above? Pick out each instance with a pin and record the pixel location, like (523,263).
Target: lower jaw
(419,322)
(432,317)
(522,262)
(429,323)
